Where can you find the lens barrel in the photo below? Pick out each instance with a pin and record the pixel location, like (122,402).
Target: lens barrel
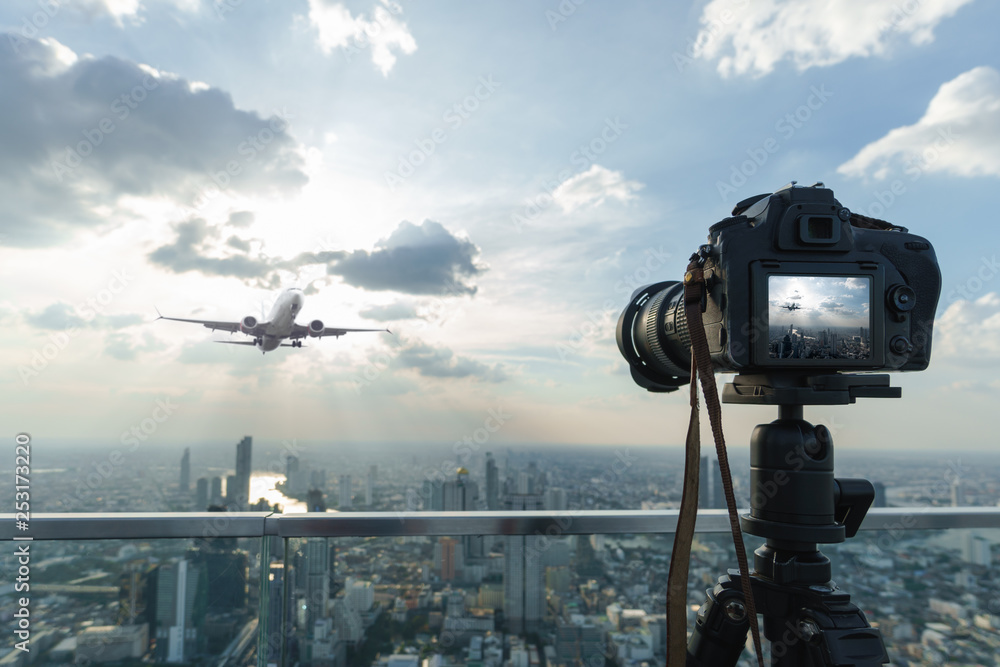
(653,337)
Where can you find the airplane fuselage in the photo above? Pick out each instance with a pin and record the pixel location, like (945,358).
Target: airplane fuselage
(281,319)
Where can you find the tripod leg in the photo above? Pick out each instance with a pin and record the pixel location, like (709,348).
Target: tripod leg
(720,633)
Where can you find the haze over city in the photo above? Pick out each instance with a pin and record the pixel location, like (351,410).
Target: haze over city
(489,182)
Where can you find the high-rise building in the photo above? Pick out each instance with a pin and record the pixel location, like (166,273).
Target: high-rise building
(704,483)
(462,495)
(492,483)
(450,549)
(201,494)
(180,610)
(241,494)
(556,500)
(216,497)
(718,492)
(957,492)
(345,491)
(185,484)
(370,485)
(315,501)
(433,495)
(317,566)
(524,584)
(231,489)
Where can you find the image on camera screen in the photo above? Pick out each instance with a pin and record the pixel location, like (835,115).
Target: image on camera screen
(819,317)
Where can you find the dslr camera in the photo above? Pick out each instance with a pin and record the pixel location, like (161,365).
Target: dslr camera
(797,285)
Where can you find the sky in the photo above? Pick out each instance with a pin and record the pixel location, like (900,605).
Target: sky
(490,181)
(818,302)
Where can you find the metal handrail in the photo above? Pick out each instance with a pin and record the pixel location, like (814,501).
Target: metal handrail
(167,525)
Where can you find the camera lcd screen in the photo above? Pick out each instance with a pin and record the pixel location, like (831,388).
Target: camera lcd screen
(819,317)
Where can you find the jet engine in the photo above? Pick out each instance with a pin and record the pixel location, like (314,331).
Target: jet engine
(316,328)
(248,324)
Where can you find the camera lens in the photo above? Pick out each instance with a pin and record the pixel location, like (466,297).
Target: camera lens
(653,336)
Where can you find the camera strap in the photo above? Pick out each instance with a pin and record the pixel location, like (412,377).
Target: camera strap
(695,292)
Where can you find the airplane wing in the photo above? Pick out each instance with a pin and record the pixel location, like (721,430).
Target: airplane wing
(302,331)
(247,342)
(231,327)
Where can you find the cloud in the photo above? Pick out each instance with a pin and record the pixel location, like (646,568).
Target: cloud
(397,310)
(969,331)
(122,10)
(593,187)
(441,362)
(189,252)
(60,316)
(958,134)
(753,37)
(424,259)
(384,33)
(124,347)
(81,133)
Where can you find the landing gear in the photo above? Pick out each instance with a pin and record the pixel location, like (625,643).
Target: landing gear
(259,341)
(296,343)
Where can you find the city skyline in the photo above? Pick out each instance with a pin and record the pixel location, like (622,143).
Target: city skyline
(493,213)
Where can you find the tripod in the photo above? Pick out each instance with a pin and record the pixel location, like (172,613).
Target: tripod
(795,505)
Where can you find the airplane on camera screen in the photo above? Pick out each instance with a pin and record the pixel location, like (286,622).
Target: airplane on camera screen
(279,326)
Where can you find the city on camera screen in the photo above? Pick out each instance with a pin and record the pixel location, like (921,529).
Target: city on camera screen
(819,317)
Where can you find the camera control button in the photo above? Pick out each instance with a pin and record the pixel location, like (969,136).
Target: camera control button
(902,298)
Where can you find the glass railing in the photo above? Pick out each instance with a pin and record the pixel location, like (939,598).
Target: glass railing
(355,588)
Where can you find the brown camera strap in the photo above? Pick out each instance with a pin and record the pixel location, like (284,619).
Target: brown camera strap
(701,365)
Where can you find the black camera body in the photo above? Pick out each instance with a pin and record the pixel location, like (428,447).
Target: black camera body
(796,283)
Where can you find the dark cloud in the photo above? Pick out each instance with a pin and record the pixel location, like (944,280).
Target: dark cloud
(441,362)
(194,238)
(425,259)
(80,133)
(397,310)
(420,260)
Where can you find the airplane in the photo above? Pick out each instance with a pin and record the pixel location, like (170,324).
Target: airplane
(280,325)
(791,306)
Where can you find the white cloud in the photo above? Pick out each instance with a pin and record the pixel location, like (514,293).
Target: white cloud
(128,10)
(753,37)
(958,134)
(969,331)
(593,187)
(383,34)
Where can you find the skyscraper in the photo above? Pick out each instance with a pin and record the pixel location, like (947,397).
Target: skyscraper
(180,609)
(201,495)
(185,484)
(462,495)
(704,481)
(344,489)
(718,492)
(370,486)
(492,483)
(215,497)
(241,494)
(524,586)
